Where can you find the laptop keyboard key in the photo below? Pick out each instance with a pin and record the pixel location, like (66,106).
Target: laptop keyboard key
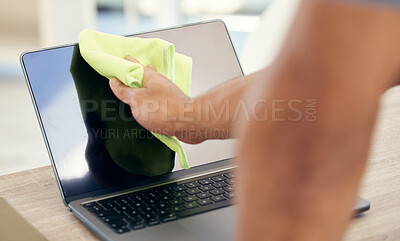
(203,209)
(178,188)
(95,208)
(218,198)
(161,205)
(190,198)
(111,218)
(163,192)
(149,216)
(191,205)
(168,217)
(122,209)
(165,198)
(229,195)
(152,221)
(228,189)
(180,194)
(139,204)
(193,191)
(176,202)
(152,201)
(218,178)
(104,213)
(124,201)
(177,209)
(138,226)
(217,192)
(121,230)
(229,175)
(134,220)
(192,184)
(117,223)
(139,198)
(146,210)
(203,195)
(230,181)
(162,212)
(132,212)
(207,188)
(204,202)
(205,181)
(219,184)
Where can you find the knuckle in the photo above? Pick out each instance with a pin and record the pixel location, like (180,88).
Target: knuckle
(120,91)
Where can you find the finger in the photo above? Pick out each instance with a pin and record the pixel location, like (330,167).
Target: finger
(130,58)
(147,76)
(121,91)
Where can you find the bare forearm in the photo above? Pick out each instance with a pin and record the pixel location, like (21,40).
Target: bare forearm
(216,111)
(298,180)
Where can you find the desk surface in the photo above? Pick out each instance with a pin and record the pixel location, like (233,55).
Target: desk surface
(35,195)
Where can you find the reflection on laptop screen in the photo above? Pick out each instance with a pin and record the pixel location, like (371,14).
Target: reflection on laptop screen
(92,136)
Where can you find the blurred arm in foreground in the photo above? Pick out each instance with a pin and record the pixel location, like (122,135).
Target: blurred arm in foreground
(298,177)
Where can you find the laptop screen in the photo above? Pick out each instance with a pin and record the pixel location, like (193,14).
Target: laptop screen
(91,152)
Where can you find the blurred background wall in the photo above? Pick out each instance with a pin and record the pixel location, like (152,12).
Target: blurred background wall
(32,24)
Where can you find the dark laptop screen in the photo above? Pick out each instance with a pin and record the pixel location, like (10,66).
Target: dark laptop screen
(93,139)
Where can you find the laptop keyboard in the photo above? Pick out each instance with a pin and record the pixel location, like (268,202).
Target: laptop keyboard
(165,203)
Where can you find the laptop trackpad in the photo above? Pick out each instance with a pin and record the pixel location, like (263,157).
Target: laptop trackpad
(218,225)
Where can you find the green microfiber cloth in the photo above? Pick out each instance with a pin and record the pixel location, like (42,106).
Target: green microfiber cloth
(105,53)
(117,146)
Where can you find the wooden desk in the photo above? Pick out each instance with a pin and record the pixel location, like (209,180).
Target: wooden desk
(35,195)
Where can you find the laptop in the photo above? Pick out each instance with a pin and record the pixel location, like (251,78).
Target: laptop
(116,204)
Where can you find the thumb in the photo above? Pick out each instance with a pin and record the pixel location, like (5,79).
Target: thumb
(121,91)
